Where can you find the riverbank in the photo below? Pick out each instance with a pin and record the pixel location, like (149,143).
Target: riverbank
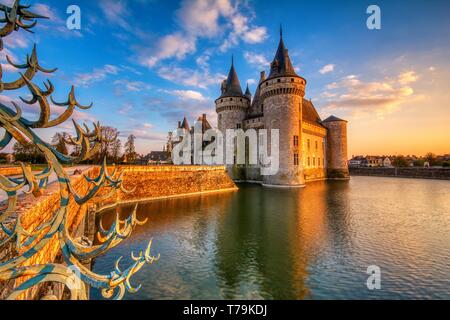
(416,173)
(144,183)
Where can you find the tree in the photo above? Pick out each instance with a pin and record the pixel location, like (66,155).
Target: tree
(116,151)
(28,153)
(430,158)
(400,161)
(130,149)
(59,141)
(109,136)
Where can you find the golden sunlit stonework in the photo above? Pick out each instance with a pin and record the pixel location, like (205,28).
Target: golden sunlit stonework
(309,148)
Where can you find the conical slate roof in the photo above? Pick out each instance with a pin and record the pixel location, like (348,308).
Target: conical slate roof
(232,86)
(309,112)
(247,91)
(333,118)
(256,103)
(281,65)
(185,124)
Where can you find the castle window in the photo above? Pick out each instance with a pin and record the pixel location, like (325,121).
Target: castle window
(241,100)
(231,99)
(314,161)
(279,80)
(238,126)
(220,116)
(309,161)
(318,162)
(296,159)
(267,84)
(221,100)
(295,141)
(309,145)
(317,146)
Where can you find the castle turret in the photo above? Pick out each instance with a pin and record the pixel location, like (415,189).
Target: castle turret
(282,96)
(248,94)
(232,105)
(337,165)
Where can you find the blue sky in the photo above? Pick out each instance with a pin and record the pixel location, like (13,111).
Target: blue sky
(147,63)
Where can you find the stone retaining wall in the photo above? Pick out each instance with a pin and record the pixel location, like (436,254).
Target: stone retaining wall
(419,173)
(147,183)
(10,170)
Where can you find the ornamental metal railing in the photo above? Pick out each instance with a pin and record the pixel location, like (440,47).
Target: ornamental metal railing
(72,273)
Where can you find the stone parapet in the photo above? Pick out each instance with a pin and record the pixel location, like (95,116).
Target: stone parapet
(146,183)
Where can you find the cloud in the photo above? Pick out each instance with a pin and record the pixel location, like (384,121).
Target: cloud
(97,75)
(353,96)
(115,12)
(190,77)
(203,19)
(256,59)
(127,107)
(408,77)
(124,85)
(173,45)
(187,94)
(327,68)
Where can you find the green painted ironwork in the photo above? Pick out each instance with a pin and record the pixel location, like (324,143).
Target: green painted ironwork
(72,273)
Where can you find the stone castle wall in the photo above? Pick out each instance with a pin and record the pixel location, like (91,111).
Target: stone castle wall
(283,111)
(336,144)
(10,170)
(148,182)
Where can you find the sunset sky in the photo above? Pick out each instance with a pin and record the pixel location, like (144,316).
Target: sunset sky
(147,63)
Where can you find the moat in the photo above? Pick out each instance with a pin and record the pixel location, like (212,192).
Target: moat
(310,243)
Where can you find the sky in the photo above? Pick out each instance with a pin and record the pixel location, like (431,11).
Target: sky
(147,63)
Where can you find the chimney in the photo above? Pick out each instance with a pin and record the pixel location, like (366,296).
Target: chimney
(263,76)
(204,118)
(179,124)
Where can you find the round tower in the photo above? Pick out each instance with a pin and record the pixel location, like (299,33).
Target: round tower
(231,108)
(232,105)
(282,97)
(337,165)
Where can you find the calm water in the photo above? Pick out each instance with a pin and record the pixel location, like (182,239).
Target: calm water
(311,243)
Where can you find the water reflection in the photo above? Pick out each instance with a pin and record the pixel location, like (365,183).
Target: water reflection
(306,243)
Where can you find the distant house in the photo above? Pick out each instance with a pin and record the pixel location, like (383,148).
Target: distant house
(356,161)
(387,162)
(158,157)
(374,161)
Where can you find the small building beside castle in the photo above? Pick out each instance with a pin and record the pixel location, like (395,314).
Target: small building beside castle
(310,148)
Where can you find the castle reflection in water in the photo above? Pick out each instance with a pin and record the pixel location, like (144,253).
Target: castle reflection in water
(311,243)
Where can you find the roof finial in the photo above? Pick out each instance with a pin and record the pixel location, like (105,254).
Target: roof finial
(232,59)
(281,32)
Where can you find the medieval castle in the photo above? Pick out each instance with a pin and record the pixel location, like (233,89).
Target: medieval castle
(310,148)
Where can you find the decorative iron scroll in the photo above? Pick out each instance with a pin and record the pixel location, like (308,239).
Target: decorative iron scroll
(73,274)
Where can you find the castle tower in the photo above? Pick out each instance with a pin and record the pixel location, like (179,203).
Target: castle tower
(232,105)
(337,165)
(282,97)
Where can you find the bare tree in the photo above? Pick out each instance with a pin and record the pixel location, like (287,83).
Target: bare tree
(116,150)
(130,149)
